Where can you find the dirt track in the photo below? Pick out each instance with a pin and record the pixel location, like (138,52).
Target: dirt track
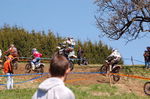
(125,84)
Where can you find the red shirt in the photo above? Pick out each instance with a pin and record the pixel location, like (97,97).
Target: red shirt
(37,54)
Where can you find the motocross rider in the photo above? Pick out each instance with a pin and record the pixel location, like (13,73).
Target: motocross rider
(36,58)
(71,44)
(12,50)
(114,58)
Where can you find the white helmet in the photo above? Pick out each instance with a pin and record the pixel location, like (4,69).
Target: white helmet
(11,45)
(114,50)
(34,49)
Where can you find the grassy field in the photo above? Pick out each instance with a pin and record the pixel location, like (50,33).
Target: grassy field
(93,91)
(96,91)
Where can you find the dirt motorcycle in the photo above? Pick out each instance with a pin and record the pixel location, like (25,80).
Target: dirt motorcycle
(39,67)
(64,50)
(108,68)
(83,61)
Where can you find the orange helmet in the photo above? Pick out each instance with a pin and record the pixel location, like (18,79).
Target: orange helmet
(10,57)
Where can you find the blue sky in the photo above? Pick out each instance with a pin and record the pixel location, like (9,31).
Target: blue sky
(73,18)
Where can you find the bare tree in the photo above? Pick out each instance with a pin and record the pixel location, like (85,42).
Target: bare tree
(129,19)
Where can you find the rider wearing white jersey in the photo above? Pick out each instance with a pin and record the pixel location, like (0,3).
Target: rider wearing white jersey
(114,57)
(71,44)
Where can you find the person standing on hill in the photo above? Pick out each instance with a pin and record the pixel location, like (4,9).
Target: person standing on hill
(54,87)
(80,55)
(8,70)
(147,57)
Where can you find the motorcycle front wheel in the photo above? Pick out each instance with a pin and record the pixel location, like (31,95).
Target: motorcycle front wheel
(41,69)
(71,65)
(147,88)
(103,69)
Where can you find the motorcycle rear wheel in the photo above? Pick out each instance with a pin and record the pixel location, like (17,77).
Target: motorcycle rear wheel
(41,69)
(28,68)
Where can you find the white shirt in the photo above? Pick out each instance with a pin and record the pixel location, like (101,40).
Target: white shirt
(115,54)
(71,41)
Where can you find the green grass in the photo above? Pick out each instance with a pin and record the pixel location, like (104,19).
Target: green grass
(96,91)
(17,94)
(102,91)
(136,70)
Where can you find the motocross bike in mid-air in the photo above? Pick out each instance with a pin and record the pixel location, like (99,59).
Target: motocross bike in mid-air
(113,70)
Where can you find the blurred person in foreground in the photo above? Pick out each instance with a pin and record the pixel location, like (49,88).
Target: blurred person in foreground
(8,70)
(54,87)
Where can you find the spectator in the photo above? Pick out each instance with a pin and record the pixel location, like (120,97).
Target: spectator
(80,55)
(8,70)
(1,59)
(147,57)
(0,53)
(54,88)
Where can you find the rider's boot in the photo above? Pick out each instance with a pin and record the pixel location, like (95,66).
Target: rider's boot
(110,68)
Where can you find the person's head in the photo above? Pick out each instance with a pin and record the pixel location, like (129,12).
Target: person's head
(10,57)
(79,48)
(114,50)
(148,48)
(68,38)
(12,45)
(33,50)
(59,66)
